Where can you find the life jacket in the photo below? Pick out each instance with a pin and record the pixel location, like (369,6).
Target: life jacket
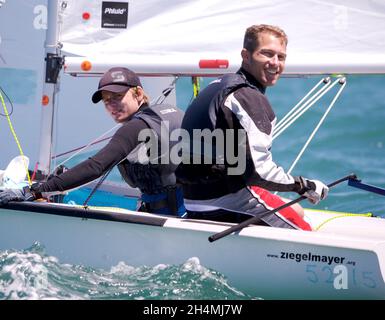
(211,98)
(206,181)
(154,174)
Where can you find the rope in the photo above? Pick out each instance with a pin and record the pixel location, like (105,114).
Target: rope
(85,203)
(342,216)
(101,180)
(341,81)
(15,137)
(5,94)
(292,117)
(165,93)
(317,96)
(81,149)
(293,111)
(196,85)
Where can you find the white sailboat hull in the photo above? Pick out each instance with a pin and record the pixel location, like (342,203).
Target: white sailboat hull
(332,263)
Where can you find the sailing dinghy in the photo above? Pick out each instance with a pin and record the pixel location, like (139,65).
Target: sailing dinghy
(343,258)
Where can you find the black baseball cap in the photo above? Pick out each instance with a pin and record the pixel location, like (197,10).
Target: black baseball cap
(116,80)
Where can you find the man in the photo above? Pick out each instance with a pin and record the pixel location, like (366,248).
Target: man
(126,102)
(237,102)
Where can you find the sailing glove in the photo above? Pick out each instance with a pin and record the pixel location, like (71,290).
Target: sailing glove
(313,190)
(24,194)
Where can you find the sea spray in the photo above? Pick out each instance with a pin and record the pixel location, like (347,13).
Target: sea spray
(33,274)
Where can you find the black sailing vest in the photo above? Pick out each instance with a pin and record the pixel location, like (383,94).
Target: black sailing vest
(207,181)
(153,173)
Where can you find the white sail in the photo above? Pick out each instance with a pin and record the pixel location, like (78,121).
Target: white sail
(22,33)
(174,37)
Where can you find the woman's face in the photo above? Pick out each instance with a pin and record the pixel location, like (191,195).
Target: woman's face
(121,105)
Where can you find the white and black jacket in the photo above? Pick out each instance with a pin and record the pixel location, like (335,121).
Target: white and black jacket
(234,101)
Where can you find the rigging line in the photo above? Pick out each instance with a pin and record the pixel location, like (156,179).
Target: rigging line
(55,116)
(165,92)
(56,96)
(55,99)
(342,216)
(302,109)
(9,100)
(99,183)
(196,85)
(324,89)
(101,180)
(306,106)
(282,121)
(34,171)
(99,139)
(81,149)
(341,81)
(15,137)
(60,14)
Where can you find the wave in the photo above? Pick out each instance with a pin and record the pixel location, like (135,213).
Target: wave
(32,274)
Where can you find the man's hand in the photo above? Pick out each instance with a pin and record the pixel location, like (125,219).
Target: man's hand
(313,190)
(16,195)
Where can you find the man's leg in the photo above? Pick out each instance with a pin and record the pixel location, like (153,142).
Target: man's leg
(294,213)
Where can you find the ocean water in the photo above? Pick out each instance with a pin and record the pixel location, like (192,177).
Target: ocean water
(33,274)
(351,140)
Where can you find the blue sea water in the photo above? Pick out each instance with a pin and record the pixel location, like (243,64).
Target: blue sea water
(32,274)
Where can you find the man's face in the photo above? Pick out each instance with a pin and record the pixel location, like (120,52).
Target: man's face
(120,105)
(267,62)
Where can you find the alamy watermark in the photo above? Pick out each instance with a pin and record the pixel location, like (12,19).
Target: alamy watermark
(41,17)
(341,279)
(204,146)
(340,17)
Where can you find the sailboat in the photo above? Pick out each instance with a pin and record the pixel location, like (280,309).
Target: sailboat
(344,258)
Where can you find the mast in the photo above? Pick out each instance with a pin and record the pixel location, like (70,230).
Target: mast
(53,65)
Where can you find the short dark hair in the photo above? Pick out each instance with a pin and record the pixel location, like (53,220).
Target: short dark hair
(251,39)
